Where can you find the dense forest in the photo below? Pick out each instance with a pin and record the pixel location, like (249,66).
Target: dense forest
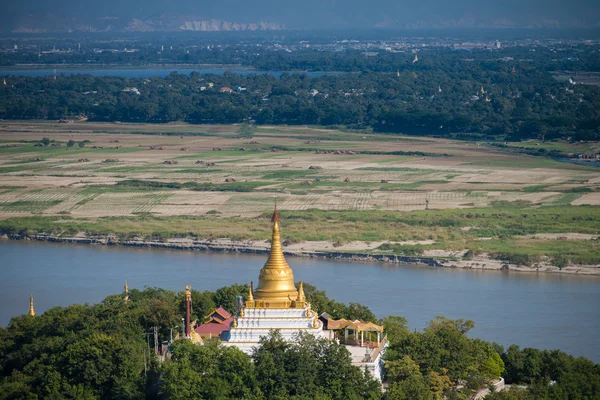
(441,95)
(103,351)
(324,55)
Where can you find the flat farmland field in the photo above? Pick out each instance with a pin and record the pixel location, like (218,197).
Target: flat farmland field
(222,175)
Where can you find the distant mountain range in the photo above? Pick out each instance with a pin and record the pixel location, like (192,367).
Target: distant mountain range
(267,15)
(49,23)
(163,23)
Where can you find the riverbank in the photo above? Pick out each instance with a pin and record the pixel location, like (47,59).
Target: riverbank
(359,252)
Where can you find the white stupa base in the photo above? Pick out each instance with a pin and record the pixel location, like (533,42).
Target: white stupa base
(258,322)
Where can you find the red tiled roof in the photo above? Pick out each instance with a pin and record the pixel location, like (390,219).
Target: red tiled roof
(222,312)
(214,327)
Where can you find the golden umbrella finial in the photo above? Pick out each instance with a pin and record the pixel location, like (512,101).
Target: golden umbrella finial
(126,287)
(31,310)
(250,290)
(301,297)
(275,217)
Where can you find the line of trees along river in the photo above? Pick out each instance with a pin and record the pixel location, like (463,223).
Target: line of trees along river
(101,351)
(462,100)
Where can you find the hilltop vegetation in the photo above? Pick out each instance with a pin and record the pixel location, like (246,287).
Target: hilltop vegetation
(101,352)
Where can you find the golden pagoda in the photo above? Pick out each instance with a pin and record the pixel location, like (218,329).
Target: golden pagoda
(275,304)
(126,288)
(276,287)
(31,310)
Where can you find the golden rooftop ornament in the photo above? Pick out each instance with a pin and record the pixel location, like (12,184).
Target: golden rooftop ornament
(31,310)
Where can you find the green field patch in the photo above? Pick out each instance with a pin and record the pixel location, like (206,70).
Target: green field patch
(408,171)
(335,184)
(531,162)
(564,199)
(530,252)
(7,170)
(86,200)
(48,151)
(556,145)
(28,161)
(288,174)
(503,224)
(409,185)
(143,185)
(473,194)
(34,207)
(4,189)
(580,189)
(123,169)
(200,171)
(392,159)
(535,188)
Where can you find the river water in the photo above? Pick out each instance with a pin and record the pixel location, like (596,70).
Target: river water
(534,310)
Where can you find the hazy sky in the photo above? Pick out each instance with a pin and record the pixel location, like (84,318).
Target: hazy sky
(315,13)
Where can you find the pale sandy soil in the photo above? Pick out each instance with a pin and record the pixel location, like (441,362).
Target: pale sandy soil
(588,198)
(555,236)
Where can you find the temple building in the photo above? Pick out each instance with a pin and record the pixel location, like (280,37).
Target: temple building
(218,321)
(275,304)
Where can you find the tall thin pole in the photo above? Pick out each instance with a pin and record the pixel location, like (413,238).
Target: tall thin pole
(156,340)
(188,310)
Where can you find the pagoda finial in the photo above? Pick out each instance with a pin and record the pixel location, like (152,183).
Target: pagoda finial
(250,290)
(31,310)
(275,217)
(301,297)
(126,288)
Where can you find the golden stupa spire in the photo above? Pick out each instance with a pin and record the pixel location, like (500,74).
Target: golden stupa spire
(301,296)
(276,287)
(126,289)
(250,290)
(31,310)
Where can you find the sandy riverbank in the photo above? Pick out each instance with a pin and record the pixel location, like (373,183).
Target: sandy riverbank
(353,251)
